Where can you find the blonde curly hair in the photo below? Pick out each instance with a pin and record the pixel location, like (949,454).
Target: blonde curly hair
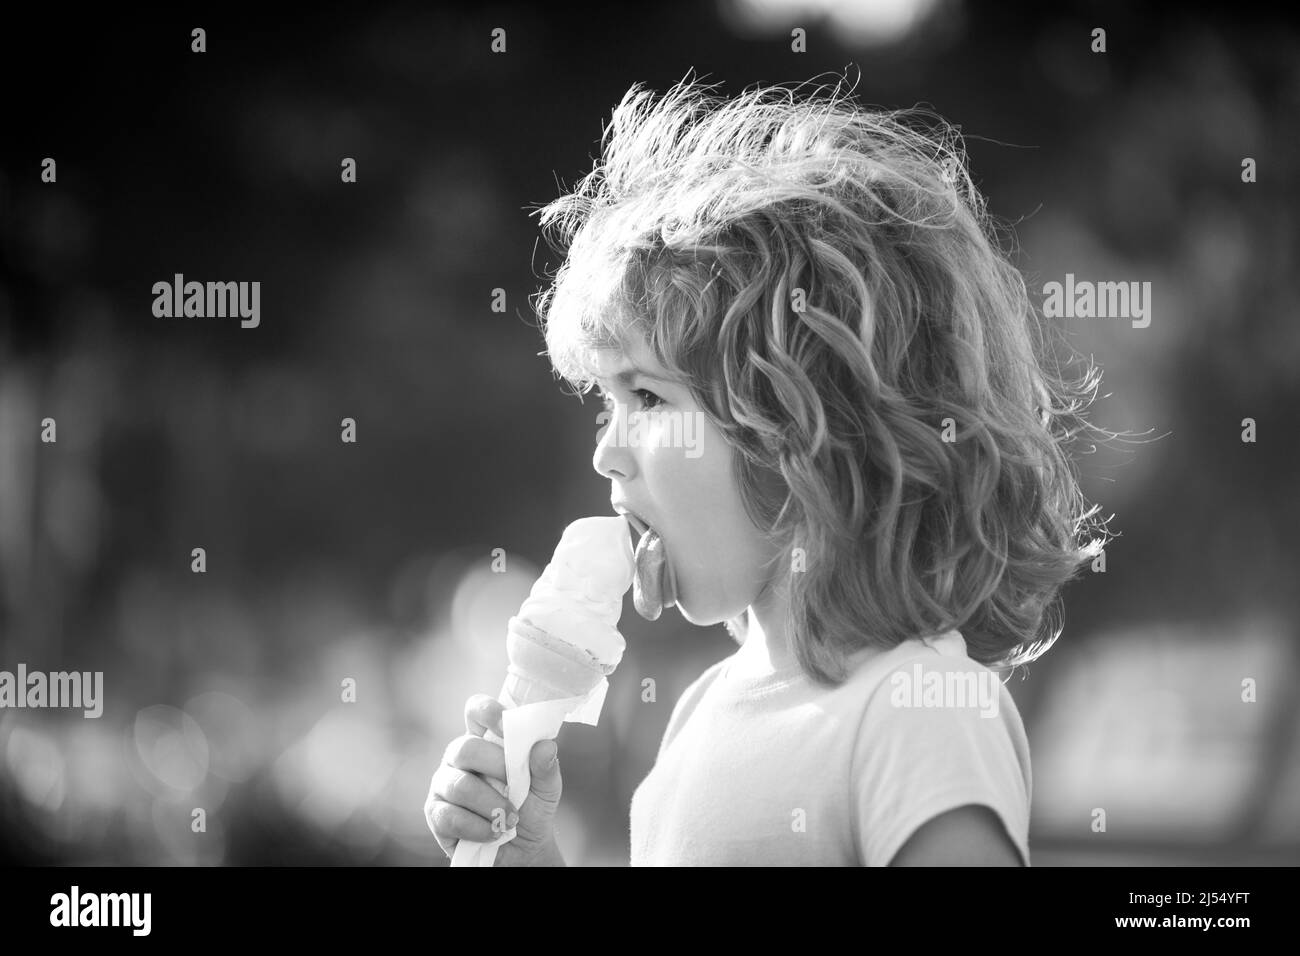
(827,282)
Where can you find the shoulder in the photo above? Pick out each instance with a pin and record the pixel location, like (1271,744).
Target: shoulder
(940,756)
(932,698)
(934,682)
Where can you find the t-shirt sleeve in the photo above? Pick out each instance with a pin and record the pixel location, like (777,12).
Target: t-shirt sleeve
(924,748)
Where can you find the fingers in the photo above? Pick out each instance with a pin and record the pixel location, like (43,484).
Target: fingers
(469,790)
(483,713)
(478,755)
(492,814)
(451,824)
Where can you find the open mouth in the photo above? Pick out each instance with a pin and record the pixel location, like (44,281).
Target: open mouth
(637,526)
(654,586)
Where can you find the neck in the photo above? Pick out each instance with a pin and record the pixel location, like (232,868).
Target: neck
(766,649)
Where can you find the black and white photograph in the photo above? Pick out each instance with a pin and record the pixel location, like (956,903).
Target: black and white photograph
(749,433)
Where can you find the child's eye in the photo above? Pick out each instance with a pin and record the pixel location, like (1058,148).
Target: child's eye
(648,398)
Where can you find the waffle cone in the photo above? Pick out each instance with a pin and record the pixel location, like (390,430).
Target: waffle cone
(543,667)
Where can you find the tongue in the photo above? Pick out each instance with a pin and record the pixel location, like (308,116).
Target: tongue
(652,586)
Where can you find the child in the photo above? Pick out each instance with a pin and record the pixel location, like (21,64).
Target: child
(878,502)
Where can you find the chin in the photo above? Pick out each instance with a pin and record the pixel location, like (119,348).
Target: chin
(681,609)
(693,618)
(703,617)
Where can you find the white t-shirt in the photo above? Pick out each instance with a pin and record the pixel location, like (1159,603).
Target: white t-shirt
(779,771)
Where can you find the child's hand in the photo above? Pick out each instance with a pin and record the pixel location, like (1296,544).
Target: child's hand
(462,805)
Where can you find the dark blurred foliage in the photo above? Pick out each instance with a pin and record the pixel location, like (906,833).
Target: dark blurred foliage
(371,560)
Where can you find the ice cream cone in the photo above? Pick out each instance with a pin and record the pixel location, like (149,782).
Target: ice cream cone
(561,645)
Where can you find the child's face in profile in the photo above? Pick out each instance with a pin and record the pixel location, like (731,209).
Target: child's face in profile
(689,495)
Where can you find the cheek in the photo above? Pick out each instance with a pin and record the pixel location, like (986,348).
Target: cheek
(700,496)
(716,549)
(722,570)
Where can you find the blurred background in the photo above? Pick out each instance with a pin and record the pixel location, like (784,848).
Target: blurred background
(373,560)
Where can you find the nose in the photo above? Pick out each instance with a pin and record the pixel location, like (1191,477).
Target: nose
(612,458)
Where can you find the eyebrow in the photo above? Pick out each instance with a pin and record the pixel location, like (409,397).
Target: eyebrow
(625,377)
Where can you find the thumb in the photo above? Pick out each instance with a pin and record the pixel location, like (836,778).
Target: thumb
(545,768)
(537,813)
